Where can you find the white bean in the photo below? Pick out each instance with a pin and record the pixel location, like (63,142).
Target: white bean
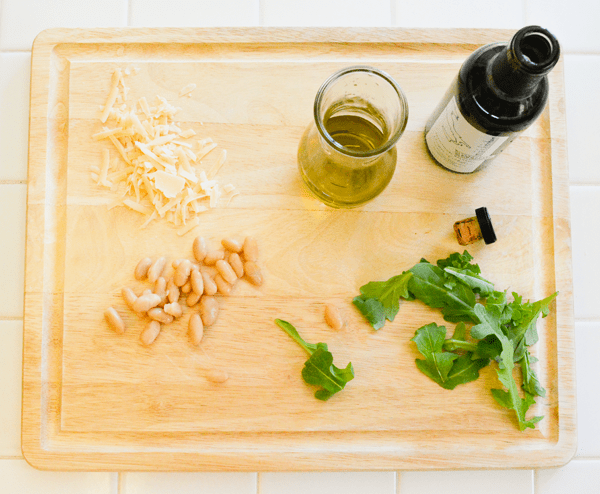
(196,329)
(209,310)
(333,317)
(129,296)
(146,302)
(199,248)
(150,334)
(156,269)
(114,320)
(232,245)
(141,270)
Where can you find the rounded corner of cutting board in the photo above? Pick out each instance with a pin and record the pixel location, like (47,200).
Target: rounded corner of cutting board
(567,448)
(35,458)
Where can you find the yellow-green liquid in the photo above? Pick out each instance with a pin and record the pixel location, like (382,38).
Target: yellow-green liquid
(342,181)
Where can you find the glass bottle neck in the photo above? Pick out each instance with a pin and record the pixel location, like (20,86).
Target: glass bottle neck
(517,70)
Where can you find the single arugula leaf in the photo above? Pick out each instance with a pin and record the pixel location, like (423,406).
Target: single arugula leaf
(379,300)
(489,318)
(531,383)
(319,369)
(437,364)
(429,285)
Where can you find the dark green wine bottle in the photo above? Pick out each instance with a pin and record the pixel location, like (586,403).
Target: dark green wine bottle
(499,91)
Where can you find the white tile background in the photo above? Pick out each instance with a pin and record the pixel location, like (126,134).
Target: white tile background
(574,22)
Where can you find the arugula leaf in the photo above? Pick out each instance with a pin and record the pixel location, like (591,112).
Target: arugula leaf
(465,369)
(522,329)
(504,399)
(379,300)
(489,347)
(437,364)
(458,341)
(459,265)
(429,285)
(461,262)
(448,369)
(490,325)
(531,383)
(319,369)
(474,282)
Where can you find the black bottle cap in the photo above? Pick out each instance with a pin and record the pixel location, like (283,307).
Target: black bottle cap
(485,225)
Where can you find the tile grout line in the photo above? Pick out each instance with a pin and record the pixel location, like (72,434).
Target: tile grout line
(128,13)
(114,483)
(23,50)
(258,477)
(397,482)
(13,182)
(121,483)
(11,318)
(261,15)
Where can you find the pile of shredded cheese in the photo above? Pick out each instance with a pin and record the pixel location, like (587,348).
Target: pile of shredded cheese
(157,168)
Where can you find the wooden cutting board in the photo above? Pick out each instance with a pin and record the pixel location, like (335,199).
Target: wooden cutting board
(93,400)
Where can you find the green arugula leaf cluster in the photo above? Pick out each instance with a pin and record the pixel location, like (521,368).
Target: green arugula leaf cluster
(319,369)
(500,330)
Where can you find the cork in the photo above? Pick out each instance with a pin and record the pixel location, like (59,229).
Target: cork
(468,231)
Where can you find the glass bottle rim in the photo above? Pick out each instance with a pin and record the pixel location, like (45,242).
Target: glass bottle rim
(392,139)
(528,65)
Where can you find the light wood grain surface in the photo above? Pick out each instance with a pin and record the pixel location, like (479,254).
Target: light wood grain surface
(96,400)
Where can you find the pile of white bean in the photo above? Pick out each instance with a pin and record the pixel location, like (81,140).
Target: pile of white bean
(211,272)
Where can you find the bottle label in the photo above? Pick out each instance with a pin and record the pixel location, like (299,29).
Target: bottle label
(456,144)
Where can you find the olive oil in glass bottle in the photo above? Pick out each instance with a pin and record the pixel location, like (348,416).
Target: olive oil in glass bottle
(499,91)
(347,156)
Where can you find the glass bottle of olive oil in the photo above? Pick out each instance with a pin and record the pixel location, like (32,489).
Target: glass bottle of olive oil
(348,155)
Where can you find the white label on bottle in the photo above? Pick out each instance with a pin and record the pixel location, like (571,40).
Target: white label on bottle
(456,144)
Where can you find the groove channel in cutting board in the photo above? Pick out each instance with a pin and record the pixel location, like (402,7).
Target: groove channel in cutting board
(93,399)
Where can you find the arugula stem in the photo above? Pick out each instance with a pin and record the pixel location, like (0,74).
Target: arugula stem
(293,333)
(450,345)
